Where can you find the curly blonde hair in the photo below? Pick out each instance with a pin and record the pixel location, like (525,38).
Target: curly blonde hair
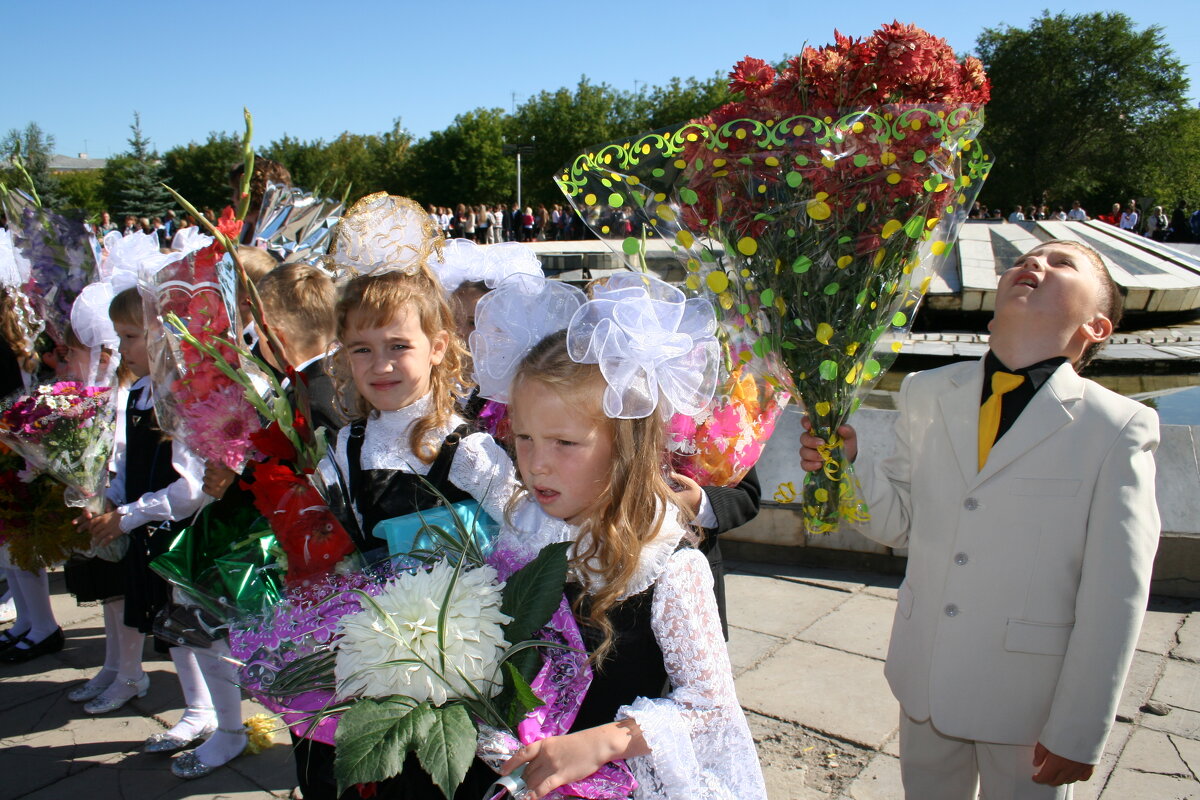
(629,511)
(372,301)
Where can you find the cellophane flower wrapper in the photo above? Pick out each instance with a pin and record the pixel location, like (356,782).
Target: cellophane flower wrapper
(294,224)
(67,431)
(196,402)
(60,254)
(814,213)
(35,523)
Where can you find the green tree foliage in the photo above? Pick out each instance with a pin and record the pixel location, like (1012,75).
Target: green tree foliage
(360,163)
(132,182)
(82,189)
(200,172)
(1076,99)
(33,147)
(465,162)
(1172,161)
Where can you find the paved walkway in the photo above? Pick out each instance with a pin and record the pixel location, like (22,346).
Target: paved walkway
(807,647)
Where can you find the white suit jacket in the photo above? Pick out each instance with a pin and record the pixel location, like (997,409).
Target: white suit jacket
(1026,582)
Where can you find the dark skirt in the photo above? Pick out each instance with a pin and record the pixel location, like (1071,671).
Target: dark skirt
(93,579)
(145,592)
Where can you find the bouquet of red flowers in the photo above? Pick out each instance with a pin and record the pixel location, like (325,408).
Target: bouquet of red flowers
(205,408)
(813,211)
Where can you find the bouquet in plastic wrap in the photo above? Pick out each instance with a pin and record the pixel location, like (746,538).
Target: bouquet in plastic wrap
(35,523)
(67,431)
(56,253)
(432,659)
(814,211)
(194,300)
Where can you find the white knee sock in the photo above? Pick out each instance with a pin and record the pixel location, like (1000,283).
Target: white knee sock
(21,624)
(198,713)
(34,593)
(130,642)
(230,739)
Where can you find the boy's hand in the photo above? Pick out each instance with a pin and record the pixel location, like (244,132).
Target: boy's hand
(560,760)
(105,528)
(217,479)
(1056,770)
(689,492)
(810,456)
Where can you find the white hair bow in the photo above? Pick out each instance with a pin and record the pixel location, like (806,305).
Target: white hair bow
(463,261)
(652,345)
(10,271)
(137,254)
(509,321)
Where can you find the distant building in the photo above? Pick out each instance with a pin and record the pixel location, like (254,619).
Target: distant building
(67,164)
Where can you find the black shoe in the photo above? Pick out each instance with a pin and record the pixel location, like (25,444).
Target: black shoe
(18,655)
(7,639)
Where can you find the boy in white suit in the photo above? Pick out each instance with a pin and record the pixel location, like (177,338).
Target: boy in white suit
(1025,496)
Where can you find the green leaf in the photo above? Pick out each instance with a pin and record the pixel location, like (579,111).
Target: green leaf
(523,700)
(533,593)
(374,736)
(448,747)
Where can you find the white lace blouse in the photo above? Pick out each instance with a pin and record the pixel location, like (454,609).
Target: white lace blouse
(700,743)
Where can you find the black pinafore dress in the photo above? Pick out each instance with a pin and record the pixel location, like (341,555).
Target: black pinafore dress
(380,494)
(148,468)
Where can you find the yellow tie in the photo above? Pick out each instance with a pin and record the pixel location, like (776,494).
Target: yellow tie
(989,412)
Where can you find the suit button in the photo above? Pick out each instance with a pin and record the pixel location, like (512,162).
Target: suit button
(960,559)
(970,504)
(951,610)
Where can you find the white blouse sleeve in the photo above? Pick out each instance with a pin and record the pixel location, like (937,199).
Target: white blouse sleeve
(482,469)
(700,743)
(178,501)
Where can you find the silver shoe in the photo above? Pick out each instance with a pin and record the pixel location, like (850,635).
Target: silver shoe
(189,765)
(93,688)
(166,742)
(117,695)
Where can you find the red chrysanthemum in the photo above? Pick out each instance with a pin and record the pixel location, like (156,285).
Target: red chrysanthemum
(751,77)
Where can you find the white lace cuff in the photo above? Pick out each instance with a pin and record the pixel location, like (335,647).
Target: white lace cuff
(671,764)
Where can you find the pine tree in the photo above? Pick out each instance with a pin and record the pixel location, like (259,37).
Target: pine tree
(134,185)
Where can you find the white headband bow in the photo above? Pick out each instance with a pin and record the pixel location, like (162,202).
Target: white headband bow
(650,342)
(10,272)
(89,316)
(463,261)
(509,321)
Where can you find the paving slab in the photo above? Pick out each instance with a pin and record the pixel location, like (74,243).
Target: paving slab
(885,586)
(1189,751)
(1128,784)
(1188,648)
(747,648)
(1180,721)
(1117,738)
(1180,685)
(1139,684)
(879,781)
(778,608)
(843,580)
(1152,751)
(816,678)
(137,777)
(860,625)
(1159,630)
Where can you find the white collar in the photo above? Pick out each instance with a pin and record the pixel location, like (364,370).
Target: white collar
(529,529)
(400,419)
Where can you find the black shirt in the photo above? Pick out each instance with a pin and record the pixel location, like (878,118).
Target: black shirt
(1013,403)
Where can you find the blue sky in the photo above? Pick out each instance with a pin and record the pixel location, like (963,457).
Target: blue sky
(314,69)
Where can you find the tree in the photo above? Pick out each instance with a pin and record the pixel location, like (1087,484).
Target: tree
(360,163)
(465,162)
(34,148)
(200,172)
(132,182)
(1172,163)
(82,189)
(1073,99)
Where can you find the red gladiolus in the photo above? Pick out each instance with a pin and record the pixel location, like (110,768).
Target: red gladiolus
(272,442)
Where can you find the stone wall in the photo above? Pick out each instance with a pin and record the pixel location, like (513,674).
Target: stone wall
(777,534)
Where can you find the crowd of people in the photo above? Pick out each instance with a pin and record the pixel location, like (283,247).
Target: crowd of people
(1151,222)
